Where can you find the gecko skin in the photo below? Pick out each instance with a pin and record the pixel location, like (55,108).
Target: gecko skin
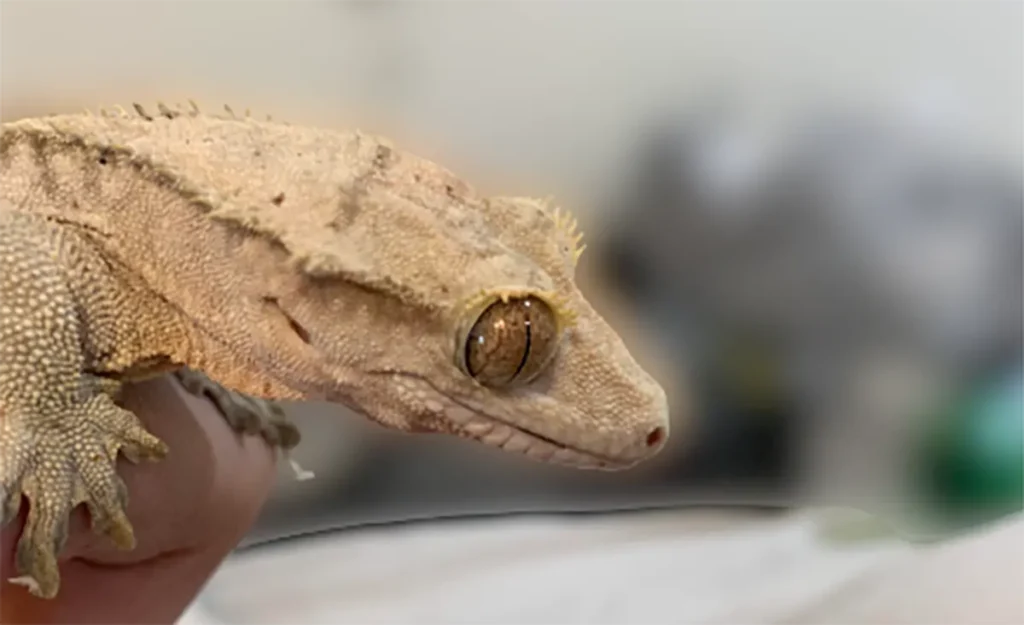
(281,262)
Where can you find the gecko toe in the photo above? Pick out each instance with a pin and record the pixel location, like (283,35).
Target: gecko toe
(104,491)
(125,432)
(107,501)
(45,533)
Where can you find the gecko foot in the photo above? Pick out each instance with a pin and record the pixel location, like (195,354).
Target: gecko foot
(61,461)
(244,413)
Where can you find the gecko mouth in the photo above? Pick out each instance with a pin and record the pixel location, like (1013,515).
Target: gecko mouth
(497,432)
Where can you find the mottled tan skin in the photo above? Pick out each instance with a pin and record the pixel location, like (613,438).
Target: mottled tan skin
(282,262)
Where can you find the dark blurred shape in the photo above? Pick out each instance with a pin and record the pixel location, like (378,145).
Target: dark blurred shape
(669,226)
(843,273)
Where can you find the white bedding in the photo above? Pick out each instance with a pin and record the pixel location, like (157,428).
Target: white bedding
(666,567)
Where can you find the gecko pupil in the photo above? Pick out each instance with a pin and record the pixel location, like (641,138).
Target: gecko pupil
(511,342)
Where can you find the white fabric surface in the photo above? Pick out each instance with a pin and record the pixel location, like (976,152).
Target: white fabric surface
(678,568)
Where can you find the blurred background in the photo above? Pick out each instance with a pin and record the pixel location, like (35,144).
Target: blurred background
(804,217)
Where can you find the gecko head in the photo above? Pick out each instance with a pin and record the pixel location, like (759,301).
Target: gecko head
(502,348)
(428,307)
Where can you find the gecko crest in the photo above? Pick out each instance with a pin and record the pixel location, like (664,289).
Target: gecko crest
(568,224)
(163,110)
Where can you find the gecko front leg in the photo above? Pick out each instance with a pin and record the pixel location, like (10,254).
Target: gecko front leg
(60,430)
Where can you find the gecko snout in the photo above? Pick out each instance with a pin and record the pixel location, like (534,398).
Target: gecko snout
(648,442)
(642,446)
(652,434)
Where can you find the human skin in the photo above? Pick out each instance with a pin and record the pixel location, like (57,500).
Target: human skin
(189,511)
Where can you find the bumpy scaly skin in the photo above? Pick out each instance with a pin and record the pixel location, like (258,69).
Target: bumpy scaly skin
(280,262)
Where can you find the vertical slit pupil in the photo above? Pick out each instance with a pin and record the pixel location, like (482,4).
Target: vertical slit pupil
(526,350)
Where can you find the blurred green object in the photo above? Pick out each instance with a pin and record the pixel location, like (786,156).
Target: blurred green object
(973,463)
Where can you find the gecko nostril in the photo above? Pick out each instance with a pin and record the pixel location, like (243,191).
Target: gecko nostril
(656,436)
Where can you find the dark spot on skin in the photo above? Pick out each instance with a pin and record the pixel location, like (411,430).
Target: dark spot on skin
(295,326)
(105,156)
(6,143)
(41,153)
(257,153)
(382,157)
(348,209)
(278,199)
(300,331)
(417,178)
(449,190)
(352,210)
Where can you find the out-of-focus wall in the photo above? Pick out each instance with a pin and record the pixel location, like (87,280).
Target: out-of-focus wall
(546,91)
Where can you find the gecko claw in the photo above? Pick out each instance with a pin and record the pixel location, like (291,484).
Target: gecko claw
(31,584)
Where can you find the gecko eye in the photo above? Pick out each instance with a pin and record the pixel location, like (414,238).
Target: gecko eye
(510,342)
